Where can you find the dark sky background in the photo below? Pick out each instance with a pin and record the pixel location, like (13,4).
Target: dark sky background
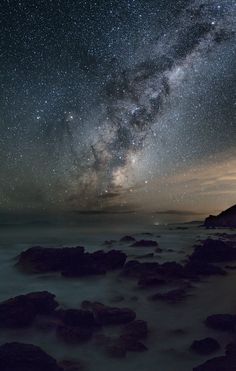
(117,105)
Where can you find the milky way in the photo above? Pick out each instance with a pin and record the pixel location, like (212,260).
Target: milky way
(101,99)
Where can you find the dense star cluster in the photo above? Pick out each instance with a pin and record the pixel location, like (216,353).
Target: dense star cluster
(102,100)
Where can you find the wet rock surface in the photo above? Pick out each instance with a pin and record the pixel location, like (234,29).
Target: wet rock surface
(23,309)
(222,363)
(26,357)
(214,251)
(223,322)
(71,261)
(205,346)
(145,243)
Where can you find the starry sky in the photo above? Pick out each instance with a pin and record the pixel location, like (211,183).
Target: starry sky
(117,105)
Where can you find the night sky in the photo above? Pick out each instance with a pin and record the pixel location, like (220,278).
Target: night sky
(117,105)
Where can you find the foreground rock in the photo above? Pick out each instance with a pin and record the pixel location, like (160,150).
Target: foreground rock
(222,322)
(153,273)
(205,346)
(105,315)
(214,251)
(172,296)
(145,243)
(127,239)
(22,310)
(71,261)
(129,340)
(26,357)
(225,219)
(223,363)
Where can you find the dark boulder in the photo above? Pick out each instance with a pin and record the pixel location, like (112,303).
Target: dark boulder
(69,365)
(137,329)
(217,364)
(131,344)
(40,259)
(171,296)
(105,315)
(22,310)
(226,219)
(214,251)
(25,357)
(74,334)
(150,281)
(145,243)
(76,317)
(71,262)
(205,346)
(198,267)
(127,239)
(223,322)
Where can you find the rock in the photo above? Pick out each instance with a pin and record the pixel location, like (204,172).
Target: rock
(217,364)
(151,281)
(171,296)
(25,357)
(137,329)
(145,243)
(43,301)
(119,347)
(40,259)
(68,365)
(116,350)
(134,268)
(214,251)
(145,256)
(226,219)
(74,334)
(77,317)
(71,262)
(22,310)
(106,315)
(109,242)
(223,322)
(131,344)
(230,350)
(173,270)
(223,363)
(127,239)
(205,346)
(203,269)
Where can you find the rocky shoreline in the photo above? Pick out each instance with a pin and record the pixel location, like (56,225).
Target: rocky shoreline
(170,282)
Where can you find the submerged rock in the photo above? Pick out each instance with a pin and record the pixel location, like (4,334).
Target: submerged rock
(25,357)
(74,334)
(214,251)
(225,219)
(150,281)
(223,363)
(105,315)
(22,310)
(205,346)
(145,243)
(223,322)
(137,329)
(171,296)
(77,317)
(69,365)
(127,239)
(71,261)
